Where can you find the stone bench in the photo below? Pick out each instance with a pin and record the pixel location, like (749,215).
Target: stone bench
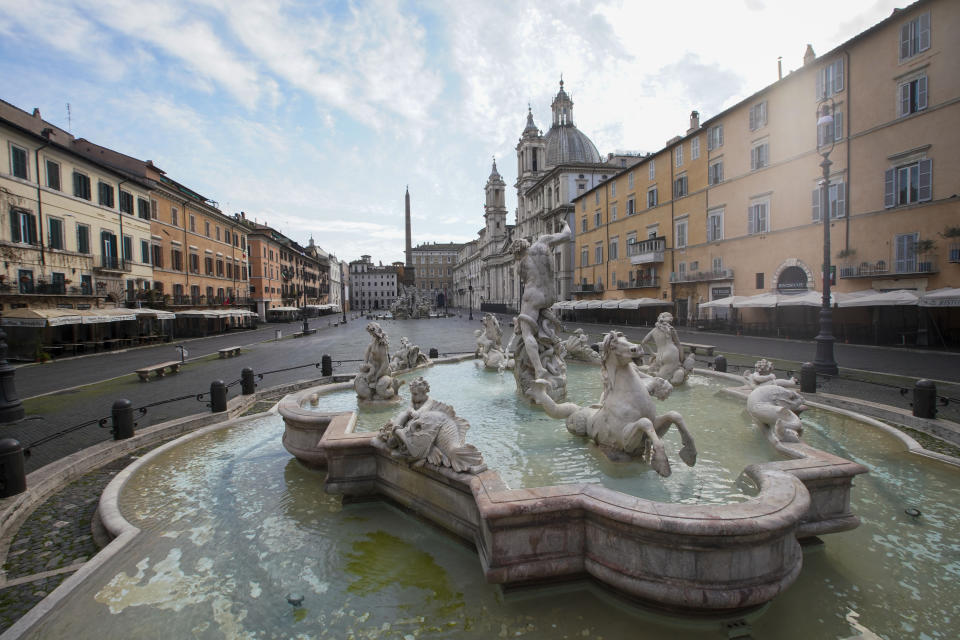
(159,369)
(695,348)
(229,352)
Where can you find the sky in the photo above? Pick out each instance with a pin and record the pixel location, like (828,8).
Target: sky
(315,116)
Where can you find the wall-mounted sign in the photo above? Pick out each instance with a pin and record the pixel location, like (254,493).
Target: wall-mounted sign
(792,279)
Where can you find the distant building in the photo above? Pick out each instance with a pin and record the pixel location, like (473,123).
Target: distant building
(433,270)
(372,287)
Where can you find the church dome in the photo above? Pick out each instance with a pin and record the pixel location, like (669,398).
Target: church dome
(564,142)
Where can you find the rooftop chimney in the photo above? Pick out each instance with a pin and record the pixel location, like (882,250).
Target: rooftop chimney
(779,67)
(36,113)
(694,122)
(808,55)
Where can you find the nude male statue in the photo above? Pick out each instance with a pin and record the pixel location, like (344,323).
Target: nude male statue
(536,273)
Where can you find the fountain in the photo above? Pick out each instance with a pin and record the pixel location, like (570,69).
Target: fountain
(489,345)
(666,362)
(242,540)
(374,381)
(410,304)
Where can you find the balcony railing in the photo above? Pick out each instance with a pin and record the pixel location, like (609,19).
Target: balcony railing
(584,287)
(641,283)
(955,253)
(916,265)
(701,276)
(647,251)
(112,263)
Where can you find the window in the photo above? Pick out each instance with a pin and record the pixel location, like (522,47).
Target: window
(583,205)
(584,256)
(631,206)
(682,271)
(18,162)
(905,252)
(157,255)
(144,252)
(913,96)
(758,218)
(834,130)
(53,175)
(759,156)
(680,234)
(55,235)
(678,155)
(153,209)
(758,115)
(651,170)
(830,79)
(206,228)
(218,237)
(614,247)
(208,265)
(176,259)
(759,283)
(680,187)
(715,225)
(596,219)
(695,148)
(108,249)
(651,198)
(126,202)
(219,268)
(194,263)
(173,216)
(613,211)
(105,194)
(83,238)
(613,189)
(81,185)
(908,184)
(583,224)
(193,223)
(23,226)
(717,264)
(915,36)
(715,137)
(838,200)
(143,209)
(127,246)
(229,270)
(598,254)
(630,181)
(226,237)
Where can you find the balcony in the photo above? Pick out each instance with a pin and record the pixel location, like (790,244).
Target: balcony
(647,252)
(917,265)
(584,287)
(701,276)
(642,283)
(112,264)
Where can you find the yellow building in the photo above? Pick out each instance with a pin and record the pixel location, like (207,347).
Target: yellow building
(750,220)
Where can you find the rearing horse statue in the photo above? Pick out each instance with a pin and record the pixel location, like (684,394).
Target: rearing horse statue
(626,418)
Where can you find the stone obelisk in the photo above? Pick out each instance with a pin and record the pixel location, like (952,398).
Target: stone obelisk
(408,276)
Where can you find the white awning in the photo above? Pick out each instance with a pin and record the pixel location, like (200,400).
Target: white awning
(198,313)
(283,309)
(101,316)
(761,301)
(610,304)
(40,317)
(872,298)
(721,303)
(946,297)
(636,303)
(157,313)
(805,299)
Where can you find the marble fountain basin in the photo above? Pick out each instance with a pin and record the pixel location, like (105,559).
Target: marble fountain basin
(718,538)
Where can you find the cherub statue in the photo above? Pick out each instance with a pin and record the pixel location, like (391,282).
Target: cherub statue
(577,347)
(666,363)
(408,356)
(763,374)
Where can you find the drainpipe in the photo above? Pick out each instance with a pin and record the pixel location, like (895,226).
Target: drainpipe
(673,258)
(848,138)
(123,260)
(36,161)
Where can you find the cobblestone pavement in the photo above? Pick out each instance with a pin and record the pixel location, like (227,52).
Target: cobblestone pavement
(53,542)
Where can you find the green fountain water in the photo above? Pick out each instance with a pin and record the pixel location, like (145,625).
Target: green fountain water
(232,525)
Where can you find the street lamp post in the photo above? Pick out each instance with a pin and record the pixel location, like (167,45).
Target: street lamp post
(824,361)
(343,300)
(470,289)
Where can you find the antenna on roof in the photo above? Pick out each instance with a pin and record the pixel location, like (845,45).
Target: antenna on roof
(68,118)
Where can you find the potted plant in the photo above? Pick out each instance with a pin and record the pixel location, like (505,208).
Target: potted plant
(846,253)
(922,248)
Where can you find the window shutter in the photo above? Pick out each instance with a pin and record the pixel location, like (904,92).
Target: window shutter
(905,41)
(763,113)
(923,27)
(925,181)
(904,99)
(821,73)
(720,135)
(838,76)
(841,199)
(921,93)
(838,125)
(751,223)
(32,226)
(709,141)
(889,188)
(753,118)
(15,227)
(817,195)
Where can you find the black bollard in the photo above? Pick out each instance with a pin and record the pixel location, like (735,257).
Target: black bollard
(925,399)
(326,366)
(247,385)
(218,396)
(434,354)
(720,363)
(122,413)
(13,478)
(808,378)
(11,408)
